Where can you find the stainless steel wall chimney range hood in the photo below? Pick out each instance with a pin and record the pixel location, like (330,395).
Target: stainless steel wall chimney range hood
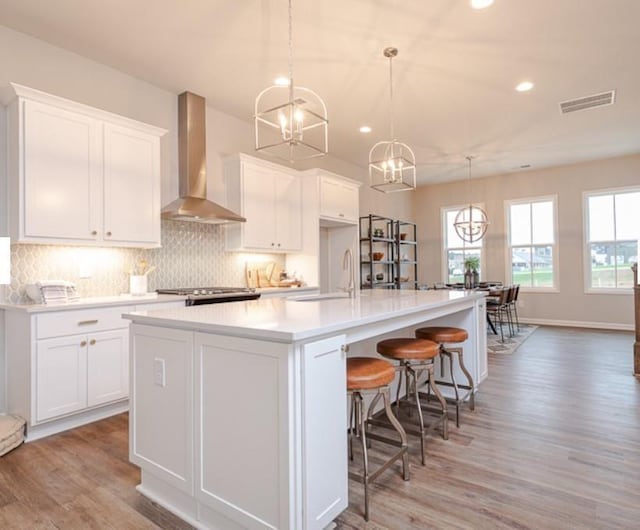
(192,169)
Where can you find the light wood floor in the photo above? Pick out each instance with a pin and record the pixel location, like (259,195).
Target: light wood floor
(554,444)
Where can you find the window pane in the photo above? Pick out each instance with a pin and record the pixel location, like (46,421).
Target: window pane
(520,224)
(453,240)
(455,260)
(521,266)
(542,215)
(603,269)
(627,216)
(542,261)
(601,218)
(626,254)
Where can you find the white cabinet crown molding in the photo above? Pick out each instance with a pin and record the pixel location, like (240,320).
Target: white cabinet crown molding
(21,91)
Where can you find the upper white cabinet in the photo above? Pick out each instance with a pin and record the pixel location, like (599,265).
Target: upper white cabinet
(339,199)
(269,196)
(79,175)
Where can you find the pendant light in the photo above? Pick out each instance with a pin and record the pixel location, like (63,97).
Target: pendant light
(290,121)
(471,221)
(392,164)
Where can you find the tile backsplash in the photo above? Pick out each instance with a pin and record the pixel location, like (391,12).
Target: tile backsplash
(192,255)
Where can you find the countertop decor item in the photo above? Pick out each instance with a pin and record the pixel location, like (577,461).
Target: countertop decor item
(290,121)
(392,164)
(471,221)
(377,256)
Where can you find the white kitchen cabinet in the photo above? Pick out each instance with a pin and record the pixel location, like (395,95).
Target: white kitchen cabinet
(339,199)
(79,175)
(269,196)
(107,367)
(68,367)
(61,376)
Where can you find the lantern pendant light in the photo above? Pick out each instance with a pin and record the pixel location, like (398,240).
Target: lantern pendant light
(392,164)
(290,121)
(471,221)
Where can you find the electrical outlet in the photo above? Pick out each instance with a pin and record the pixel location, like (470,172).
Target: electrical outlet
(159,374)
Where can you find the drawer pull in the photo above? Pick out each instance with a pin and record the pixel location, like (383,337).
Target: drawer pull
(83,343)
(92,342)
(87,322)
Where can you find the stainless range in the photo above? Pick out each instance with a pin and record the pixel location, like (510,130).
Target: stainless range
(213,295)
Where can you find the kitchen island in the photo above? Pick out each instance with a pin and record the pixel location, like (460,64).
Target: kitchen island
(239,412)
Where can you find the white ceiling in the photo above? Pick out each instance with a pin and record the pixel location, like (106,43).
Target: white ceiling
(454,76)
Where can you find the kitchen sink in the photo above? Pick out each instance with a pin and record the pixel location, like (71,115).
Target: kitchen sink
(319,297)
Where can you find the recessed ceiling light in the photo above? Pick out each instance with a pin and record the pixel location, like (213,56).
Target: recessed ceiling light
(481,4)
(282,81)
(365,129)
(525,86)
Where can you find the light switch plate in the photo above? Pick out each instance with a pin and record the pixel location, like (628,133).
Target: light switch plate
(159,373)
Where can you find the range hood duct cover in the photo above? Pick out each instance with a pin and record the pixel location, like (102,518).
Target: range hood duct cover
(192,169)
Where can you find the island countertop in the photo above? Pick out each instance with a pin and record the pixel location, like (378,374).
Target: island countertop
(303,317)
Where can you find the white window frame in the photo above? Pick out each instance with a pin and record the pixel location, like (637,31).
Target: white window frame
(444,264)
(586,246)
(555,246)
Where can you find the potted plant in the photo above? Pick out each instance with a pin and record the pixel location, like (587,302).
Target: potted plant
(471,276)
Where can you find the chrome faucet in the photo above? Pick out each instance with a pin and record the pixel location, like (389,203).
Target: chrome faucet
(347,263)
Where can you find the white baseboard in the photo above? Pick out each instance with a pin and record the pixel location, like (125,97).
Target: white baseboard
(577,324)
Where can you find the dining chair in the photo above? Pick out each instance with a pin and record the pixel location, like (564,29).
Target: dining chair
(497,307)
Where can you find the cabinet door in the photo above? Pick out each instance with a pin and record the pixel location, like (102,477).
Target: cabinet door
(131,186)
(338,200)
(324,434)
(288,223)
(259,208)
(107,366)
(61,376)
(61,154)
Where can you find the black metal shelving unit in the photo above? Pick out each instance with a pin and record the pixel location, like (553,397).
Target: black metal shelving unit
(398,268)
(406,255)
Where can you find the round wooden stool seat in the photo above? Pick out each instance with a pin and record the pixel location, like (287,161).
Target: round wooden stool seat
(365,373)
(406,348)
(442,334)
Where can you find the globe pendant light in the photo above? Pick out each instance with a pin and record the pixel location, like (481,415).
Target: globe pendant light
(392,164)
(290,121)
(471,221)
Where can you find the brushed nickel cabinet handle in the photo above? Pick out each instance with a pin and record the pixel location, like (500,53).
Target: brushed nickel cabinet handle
(278,244)
(92,342)
(341,214)
(94,232)
(272,244)
(83,343)
(87,322)
(108,233)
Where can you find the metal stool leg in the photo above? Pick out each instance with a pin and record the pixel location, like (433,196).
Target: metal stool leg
(472,398)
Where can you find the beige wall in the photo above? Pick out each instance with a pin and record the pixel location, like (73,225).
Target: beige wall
(570,304)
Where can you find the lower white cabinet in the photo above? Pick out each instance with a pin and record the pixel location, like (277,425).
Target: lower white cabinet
(107,367)
(61,380)
(67,367)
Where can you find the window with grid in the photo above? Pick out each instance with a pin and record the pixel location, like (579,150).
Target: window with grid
(612,230)
(531,235)
(457,250)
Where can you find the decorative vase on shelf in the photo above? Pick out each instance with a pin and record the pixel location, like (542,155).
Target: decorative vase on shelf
(476,278)
(468,278)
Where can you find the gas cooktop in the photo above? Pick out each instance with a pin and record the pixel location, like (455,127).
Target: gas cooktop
(212,295)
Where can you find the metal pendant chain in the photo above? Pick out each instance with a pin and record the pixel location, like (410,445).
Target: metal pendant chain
(290,52)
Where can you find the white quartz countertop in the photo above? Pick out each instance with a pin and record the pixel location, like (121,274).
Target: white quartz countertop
(292,290)
(287,320)
(98,301)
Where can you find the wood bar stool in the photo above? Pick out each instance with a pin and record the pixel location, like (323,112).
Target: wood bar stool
(449,335)
(416,357)
(370,374)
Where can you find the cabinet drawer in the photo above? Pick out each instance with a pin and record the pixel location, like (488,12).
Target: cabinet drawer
(62,323)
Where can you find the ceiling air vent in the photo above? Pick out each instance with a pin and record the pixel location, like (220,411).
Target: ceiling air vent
(588,102)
